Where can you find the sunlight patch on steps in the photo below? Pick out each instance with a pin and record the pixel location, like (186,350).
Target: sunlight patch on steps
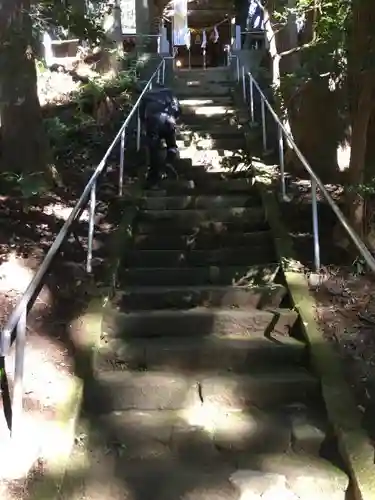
(196,102)
(207,416)
(216,159)
(213,110)
(216,418)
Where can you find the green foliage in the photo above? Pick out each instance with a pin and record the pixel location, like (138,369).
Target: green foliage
(325,55)
(62,132)
(27,185)
(55,15)
(366,190)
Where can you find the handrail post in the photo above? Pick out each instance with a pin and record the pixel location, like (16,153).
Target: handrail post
(92,207)
(281,161)
(19,365)
(243,84)
(158,76)
(122,160)
(264,129)
(251,97)
(238,69)
(163,72)
(138,130)
(315,221)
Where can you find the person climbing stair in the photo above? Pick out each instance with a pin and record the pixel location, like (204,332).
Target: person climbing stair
(159,111)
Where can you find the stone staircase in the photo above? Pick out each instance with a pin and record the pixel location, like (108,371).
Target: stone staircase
(203,388)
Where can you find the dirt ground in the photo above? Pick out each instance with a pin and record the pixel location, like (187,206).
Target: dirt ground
(344,293)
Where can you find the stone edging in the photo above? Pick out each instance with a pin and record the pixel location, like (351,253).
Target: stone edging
(354,444)
(67,415)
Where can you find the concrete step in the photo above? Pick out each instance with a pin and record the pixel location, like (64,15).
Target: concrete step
(306,475)
(182,225)
(189,257)
(246,219)
(210,354)
(203,75)
(191,467)
(208,442)
(218,72)
(205,121)
(216,134)
(217,159)
(208,110)
(207,90)
(201,87)
(227,174)
(209,185)
(234,167)
(214,101)
(208,144)
(147,298)
(199,202)
(196,276)
(201,322)
(203,240)
(117,391)
(217,127)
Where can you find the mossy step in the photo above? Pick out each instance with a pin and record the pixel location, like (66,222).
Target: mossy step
(183,226)
(229,173)
(203,240)
(238,256)
(307,476)
(193,276)
(190,467)
(226,143)
(219,127)
(129,390)
(199,202)
(210,184)
(206,101)
(212,440)
(205,91)
(216,159)
(209,110)
(206,121)
(143,298)
(200,322)
(246,219)
(211,354)
(216,133)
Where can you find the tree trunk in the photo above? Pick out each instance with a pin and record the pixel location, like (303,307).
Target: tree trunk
(23,138)
(361,86)
(360,122)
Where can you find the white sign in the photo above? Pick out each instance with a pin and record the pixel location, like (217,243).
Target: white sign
(128,17)
(180,22)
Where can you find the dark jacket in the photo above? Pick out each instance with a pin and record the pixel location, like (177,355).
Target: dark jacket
(159,101)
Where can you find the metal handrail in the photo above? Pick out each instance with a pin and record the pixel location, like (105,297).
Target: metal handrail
(248,85)
(18,319)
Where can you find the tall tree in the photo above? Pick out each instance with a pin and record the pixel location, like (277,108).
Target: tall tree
(361,99)
(23,138)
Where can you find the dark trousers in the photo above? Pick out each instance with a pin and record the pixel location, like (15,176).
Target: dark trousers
(158,128)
